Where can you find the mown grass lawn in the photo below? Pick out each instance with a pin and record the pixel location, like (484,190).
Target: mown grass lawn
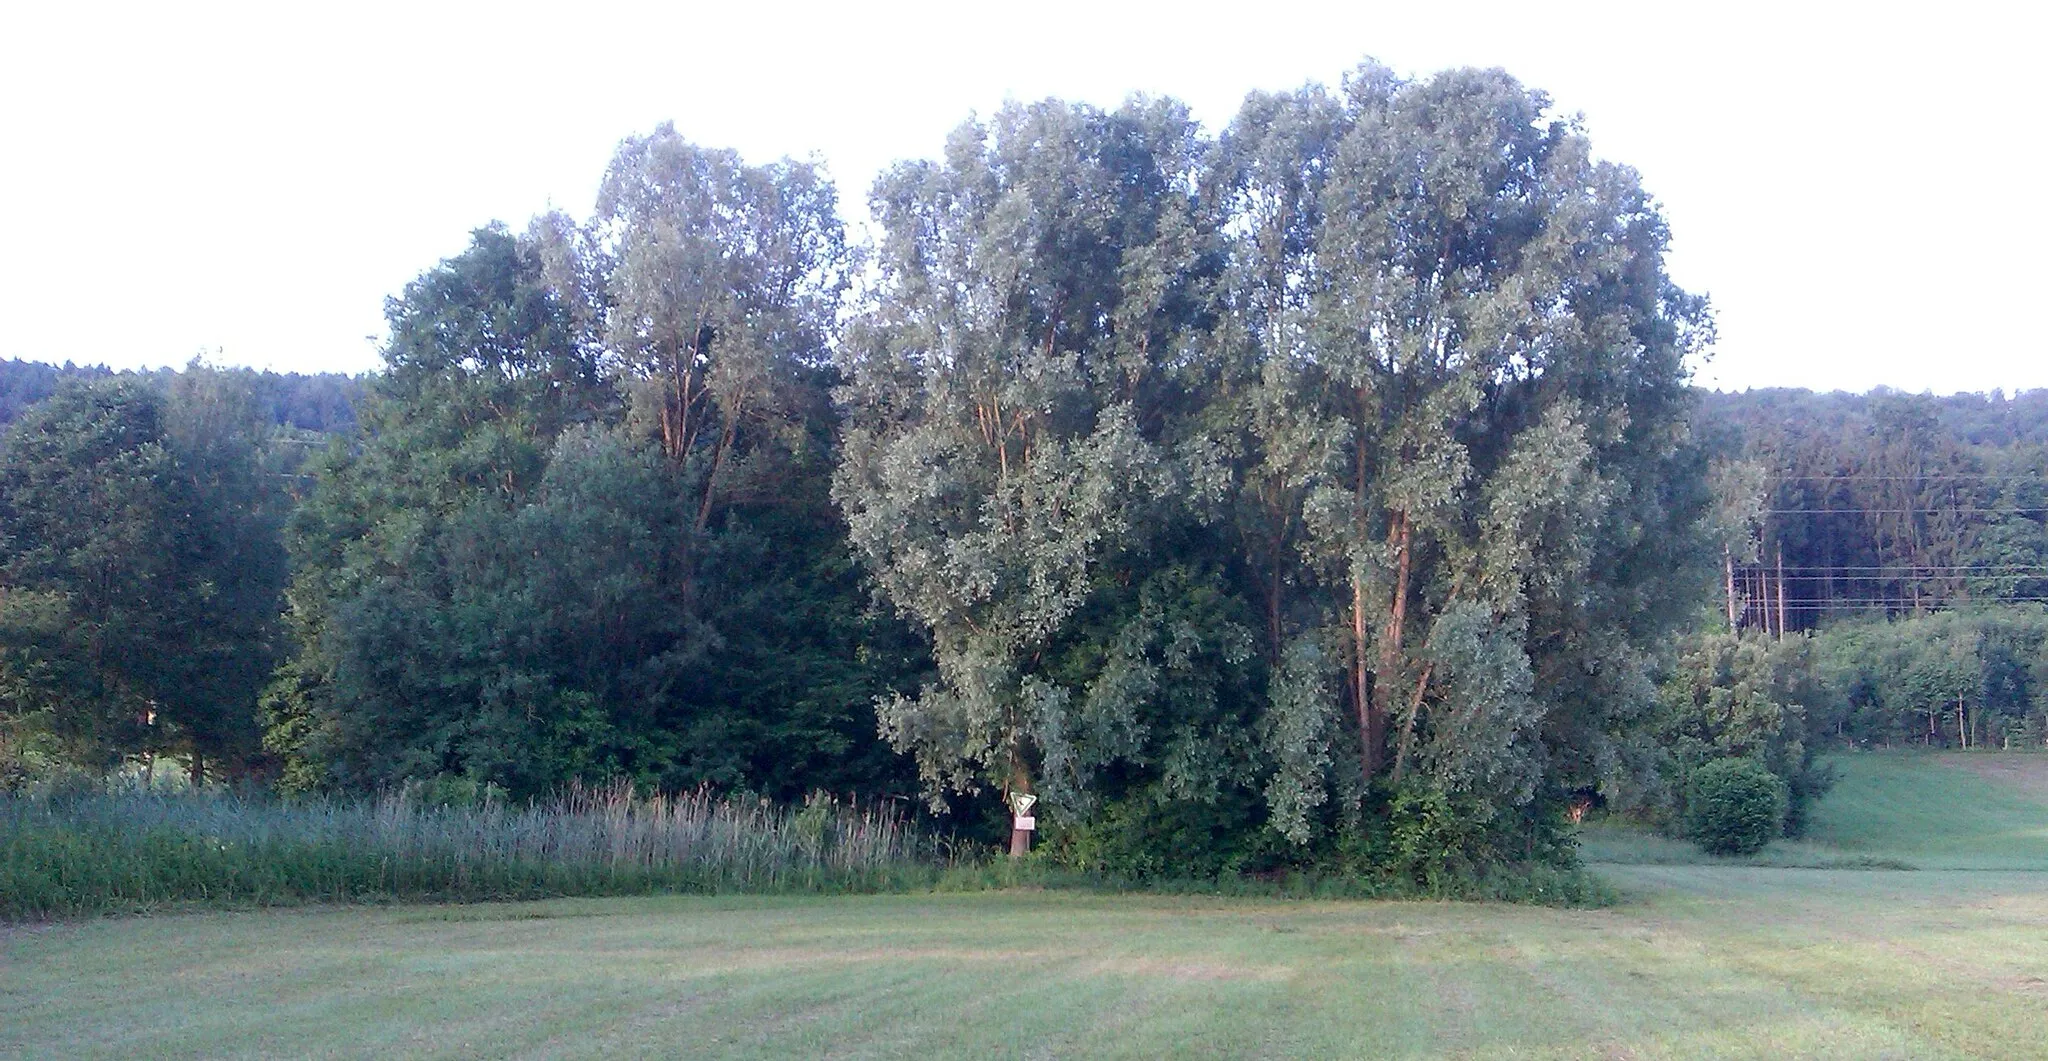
(1905,809)
(1702,961)
(1974,810)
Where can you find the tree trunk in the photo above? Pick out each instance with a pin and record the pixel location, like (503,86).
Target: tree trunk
(1362,690)
(1408,722)
(1763,592)
(725,441)
(1384,685)
(1273,609)
(1728,568)
(197,774)
(1361,687)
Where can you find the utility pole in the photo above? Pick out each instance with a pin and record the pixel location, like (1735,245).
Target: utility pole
(1781,591)
(1728,567)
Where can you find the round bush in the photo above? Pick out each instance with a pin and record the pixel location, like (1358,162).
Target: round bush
(1734,807)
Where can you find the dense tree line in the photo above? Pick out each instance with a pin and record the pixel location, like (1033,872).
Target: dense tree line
(319,403)
(140,567)
(542,561)
(1958,679)
(1969,678)
(1881,504)
(1323,491)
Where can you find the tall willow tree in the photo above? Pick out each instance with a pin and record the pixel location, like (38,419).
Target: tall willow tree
(1430,392)
(721,282)
(1016,382)
(1270,171)
(1476,367)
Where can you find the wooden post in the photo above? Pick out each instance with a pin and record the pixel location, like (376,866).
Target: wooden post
(1022,823)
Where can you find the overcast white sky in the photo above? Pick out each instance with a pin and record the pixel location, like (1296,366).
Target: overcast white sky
(1857,187)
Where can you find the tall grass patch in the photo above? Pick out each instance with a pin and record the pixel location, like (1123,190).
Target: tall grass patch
(109,851)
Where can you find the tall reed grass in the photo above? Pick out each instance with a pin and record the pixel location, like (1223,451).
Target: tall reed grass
(111,850)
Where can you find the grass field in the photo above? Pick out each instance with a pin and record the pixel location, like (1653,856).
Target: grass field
(1703,960)
(1912,810)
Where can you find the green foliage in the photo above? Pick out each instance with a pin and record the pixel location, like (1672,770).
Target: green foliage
(1971,678)
(1430,836)
(1748,696)
(524,574)
(1734,806)
(140,572)
(1887,504)
(1011,425)
(1447,842)
(317,403)
(1148,837)
(1296,362)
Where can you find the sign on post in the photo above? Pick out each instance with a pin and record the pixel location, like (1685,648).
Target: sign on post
(1022,823)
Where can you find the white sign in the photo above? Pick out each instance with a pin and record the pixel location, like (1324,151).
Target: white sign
(1026,823)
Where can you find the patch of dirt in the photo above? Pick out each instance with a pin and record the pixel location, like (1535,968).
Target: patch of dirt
(2027,773)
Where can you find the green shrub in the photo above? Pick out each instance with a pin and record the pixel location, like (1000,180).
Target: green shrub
(1734,807)
(1150,835)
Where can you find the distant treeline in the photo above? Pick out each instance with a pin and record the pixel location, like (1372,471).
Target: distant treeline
(321,402)
(1881,504)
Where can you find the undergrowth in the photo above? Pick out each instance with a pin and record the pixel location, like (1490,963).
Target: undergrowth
(119,852)
(114,851)
(1536,884)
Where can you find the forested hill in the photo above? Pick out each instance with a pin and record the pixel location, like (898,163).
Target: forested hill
(1996,420)
(309,402)
(1882,503)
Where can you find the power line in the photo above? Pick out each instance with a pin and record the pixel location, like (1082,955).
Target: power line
(1924,600)
(1851,582)
(1905,511)
(1929,477)
(1838,568)
(1901,602)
